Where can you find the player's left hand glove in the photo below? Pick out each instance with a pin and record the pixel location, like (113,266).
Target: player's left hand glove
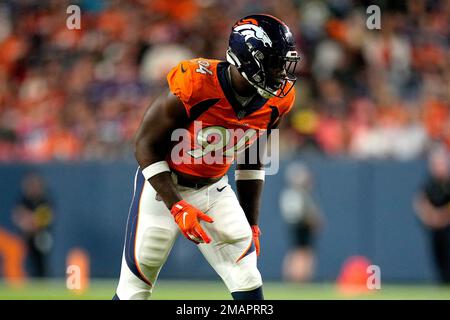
(256,232)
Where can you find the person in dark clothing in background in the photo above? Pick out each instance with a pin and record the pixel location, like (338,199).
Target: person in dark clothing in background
(432,205)
(301,212)
(33,215)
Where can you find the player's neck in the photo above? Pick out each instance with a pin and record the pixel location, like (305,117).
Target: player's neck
(240,84)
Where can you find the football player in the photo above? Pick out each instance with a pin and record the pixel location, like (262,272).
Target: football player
(220,107)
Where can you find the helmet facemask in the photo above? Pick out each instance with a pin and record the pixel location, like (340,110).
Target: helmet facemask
(279,75)
(276,75)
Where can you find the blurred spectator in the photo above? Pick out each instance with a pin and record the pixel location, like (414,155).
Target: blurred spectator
(433,209)
(34,216)
(301,212)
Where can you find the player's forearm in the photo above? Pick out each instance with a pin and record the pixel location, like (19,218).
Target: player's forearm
(166,189)
(147,155)
(249,187)
(249,195)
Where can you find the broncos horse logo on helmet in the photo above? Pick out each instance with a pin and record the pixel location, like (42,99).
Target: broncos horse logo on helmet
(252,31)
(263,50)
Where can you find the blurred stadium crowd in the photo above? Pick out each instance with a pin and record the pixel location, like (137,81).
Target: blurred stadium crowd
(80,94)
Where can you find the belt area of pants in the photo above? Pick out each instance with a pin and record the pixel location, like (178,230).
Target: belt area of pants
(194,182)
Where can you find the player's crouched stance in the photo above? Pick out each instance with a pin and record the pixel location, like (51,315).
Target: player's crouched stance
(178,188)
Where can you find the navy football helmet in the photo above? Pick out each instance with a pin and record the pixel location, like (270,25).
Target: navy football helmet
(263,50)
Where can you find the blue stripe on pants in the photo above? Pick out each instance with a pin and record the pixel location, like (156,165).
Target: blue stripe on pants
(130,240)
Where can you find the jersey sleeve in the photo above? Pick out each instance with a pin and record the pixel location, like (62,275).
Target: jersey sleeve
(182,83)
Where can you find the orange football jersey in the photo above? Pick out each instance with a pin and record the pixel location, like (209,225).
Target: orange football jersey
(219,127)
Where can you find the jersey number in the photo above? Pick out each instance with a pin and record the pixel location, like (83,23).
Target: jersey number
(203,67)
(217,139)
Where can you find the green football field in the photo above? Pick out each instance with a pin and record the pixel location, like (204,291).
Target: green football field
(205,290)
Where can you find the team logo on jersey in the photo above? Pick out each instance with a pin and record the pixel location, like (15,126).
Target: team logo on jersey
(250,30)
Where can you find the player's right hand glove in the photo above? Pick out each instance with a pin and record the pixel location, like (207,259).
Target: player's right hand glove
(187,217)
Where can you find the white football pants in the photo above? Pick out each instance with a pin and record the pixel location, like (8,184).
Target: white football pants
(152,231)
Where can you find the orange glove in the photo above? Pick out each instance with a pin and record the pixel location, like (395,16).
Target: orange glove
(187,217)
(256,233)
